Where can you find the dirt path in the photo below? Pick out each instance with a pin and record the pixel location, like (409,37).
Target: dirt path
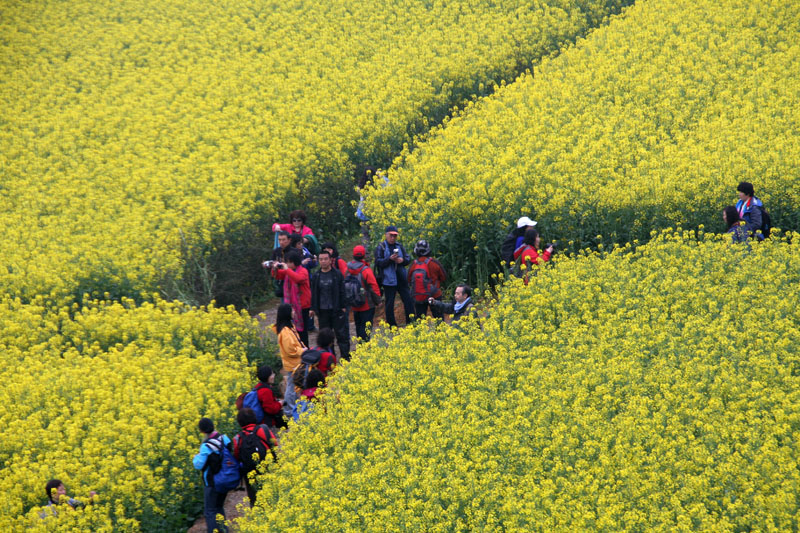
(266,316)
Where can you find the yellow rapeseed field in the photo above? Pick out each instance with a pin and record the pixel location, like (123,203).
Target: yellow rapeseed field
(647,390)
(650,121)
(107,398)
(149,145)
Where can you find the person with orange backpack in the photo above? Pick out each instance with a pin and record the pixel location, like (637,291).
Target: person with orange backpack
(426,276)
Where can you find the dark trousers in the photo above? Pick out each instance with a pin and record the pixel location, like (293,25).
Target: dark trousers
(361,318)
(304,334)
(405,294)
(251,490)
(214,503)
(337,321)
(421,309)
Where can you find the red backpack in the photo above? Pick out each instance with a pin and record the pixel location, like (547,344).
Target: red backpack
(422,285)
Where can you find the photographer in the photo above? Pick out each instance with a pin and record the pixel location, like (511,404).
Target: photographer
(458,308)
(391,258)
(297,290)
(527,255)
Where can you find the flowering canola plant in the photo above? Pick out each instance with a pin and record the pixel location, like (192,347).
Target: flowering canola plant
(106,397)
(650,121)
(143,141)
(655,389)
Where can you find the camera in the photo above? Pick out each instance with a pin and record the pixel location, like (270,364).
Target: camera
(396,251)
(268,264)
(553,244)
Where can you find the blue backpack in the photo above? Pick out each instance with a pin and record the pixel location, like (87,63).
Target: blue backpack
(226,472)
(251,401)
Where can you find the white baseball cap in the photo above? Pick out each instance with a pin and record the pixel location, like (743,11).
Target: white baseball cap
(525,221)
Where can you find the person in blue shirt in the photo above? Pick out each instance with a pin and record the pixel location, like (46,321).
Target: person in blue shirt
(749,210)
(392,258)
(213,501)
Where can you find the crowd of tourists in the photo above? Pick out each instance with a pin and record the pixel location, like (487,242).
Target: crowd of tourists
(318,288)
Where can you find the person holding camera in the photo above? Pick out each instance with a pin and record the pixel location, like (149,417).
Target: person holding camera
(528,253)
(391,258)
(297,290)
(459,308)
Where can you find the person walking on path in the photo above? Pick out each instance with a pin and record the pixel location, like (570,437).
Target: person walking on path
(364,313)
(734,224)
(328,302)
(213,501)
(391,258)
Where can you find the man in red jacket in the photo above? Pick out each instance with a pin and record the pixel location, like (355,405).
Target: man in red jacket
(364,313)
(296,290)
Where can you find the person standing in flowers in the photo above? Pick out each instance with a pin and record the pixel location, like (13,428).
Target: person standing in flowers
(57,496)
(749,209)
(296,291)
(364,313)
(514,240)
(213,501)
(296,225)
(459,308)
(527,255)
(290,346)
(392,258)
(731,218)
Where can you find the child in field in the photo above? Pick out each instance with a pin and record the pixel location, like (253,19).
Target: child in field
(57,499)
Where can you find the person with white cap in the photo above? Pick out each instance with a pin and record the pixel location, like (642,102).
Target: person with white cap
(515,239)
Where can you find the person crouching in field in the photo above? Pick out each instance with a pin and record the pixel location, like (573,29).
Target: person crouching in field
(57,499)
(459,308)
(731,218)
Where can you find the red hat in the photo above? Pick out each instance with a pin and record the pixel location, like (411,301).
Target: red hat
(359,251)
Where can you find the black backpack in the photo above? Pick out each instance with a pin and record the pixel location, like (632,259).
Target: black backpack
(251,445)
(355,295)
(509,247)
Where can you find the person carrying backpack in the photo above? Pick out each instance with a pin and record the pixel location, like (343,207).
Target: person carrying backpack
(313,382)
(528,254)
(220,472)
(391,258)
(425,277)
(515,239)
(361,291)
(329,302)
(261,400)
(756,219)
(325,347)
(309,361)
(250,447)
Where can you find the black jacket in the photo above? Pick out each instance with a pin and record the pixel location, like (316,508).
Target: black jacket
(449,308)
(339,301)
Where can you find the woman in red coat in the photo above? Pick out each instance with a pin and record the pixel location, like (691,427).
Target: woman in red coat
(296,291)
(529,252)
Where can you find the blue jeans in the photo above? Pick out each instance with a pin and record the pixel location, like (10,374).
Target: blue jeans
(213,503)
